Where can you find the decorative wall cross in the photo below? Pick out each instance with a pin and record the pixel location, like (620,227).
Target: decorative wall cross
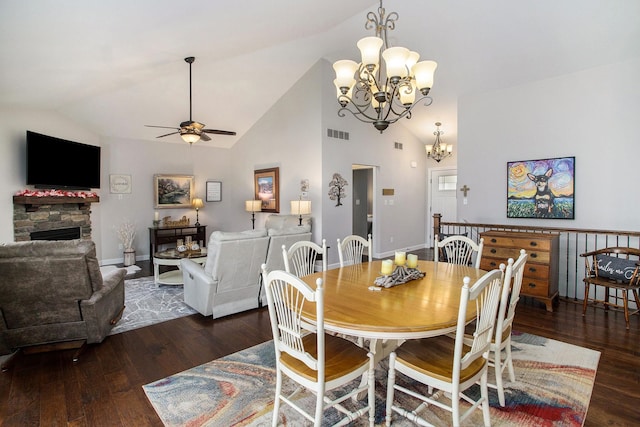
(464,189)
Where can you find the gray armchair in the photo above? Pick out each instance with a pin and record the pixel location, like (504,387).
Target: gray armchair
(53,292)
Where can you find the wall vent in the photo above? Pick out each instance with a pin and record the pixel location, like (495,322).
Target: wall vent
(397,145)
(339,134)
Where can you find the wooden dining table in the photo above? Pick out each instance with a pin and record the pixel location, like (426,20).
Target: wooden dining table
(419,308)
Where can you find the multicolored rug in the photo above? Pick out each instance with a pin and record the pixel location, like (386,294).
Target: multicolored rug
(553,386)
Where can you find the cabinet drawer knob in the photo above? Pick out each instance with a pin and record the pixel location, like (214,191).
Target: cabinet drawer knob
(492,264)
(534,255)
(493,240)
(493,251)
(533,243)
(532,285)
(531,269)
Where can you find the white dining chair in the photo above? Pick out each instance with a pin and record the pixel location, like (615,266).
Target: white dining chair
(449,365)
(352,248)
(300,259)
(314,360)
(459,250)
(506,312)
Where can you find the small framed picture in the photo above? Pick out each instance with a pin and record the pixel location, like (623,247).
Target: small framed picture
(267,189)
(119,184)
(214,191)
(173,191)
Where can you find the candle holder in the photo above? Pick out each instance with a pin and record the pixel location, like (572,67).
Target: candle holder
(156,223)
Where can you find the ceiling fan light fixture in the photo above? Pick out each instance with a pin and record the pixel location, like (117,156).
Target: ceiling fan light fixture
(190,137)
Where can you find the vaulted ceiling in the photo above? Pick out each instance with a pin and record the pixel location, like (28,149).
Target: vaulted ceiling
(117,65)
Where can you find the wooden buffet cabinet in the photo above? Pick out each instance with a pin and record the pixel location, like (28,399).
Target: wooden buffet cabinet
(540,279)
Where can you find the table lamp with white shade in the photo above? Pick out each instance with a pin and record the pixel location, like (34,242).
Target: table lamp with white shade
(197,205)
(300,207)
(253,206)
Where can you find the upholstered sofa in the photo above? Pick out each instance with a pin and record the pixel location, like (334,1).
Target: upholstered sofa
(284,230)
(230,280)
(54,292)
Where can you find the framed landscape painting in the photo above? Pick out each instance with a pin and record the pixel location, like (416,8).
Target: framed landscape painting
(267,189)
(541,188)
(173,191)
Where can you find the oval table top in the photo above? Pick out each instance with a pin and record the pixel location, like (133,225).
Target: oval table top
(417,309)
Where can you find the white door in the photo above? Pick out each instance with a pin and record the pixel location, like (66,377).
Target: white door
(443,184)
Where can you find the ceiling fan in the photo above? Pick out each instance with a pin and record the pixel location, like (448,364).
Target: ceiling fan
(191,131)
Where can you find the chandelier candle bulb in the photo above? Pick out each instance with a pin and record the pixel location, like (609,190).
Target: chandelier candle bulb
(401,258)
(387,267)
(412,261)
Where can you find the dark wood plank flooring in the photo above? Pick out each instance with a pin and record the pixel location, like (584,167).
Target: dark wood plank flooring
(104,388)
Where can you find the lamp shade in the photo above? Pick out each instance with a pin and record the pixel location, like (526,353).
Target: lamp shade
(345,72)
(370,50)
(396,60)
(197,203)
(253,205)
(424,71)
(190,137)
(300,207)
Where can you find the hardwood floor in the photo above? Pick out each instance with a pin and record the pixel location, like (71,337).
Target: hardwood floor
(104,388)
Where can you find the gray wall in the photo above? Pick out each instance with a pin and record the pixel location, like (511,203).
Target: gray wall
(592,115)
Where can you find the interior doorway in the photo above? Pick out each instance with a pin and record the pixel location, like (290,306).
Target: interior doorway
(442,185)
(363,200)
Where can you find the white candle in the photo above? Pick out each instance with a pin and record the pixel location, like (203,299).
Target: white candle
(412,261)
(156,215)
(387,267)
(401,258)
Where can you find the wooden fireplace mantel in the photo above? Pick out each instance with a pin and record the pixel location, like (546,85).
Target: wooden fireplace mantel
(32,203)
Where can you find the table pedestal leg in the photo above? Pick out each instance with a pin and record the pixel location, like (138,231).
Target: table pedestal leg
(380,349)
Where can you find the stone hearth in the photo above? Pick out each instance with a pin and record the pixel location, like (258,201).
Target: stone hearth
(32,214)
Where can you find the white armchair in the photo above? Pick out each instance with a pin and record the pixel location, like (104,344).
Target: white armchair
(230,280)
(284,230)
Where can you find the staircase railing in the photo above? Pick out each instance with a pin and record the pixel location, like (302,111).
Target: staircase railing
(572,242)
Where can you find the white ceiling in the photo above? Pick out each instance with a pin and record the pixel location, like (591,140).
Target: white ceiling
(116,65)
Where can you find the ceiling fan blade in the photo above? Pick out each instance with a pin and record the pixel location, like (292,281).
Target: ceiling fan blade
(218,132)
(172,133)
(204,137)
(163,127)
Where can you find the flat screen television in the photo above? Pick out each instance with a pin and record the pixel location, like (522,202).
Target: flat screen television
(56,163)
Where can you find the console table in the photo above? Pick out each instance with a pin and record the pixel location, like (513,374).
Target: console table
(164,235)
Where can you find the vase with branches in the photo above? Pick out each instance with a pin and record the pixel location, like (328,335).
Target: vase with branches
(126,234)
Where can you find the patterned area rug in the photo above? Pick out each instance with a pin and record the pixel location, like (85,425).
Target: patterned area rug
(147,304)
(553,386)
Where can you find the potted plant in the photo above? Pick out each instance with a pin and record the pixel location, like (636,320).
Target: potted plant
(126,233)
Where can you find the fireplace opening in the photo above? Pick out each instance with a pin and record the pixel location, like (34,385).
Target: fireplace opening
(57,234)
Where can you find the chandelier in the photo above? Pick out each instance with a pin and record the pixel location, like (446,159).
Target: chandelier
(438,150)
(382,93)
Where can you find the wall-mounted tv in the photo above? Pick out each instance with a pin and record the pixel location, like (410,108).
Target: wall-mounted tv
(57,163)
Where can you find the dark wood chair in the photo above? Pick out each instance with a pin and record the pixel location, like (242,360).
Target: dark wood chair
(612,268)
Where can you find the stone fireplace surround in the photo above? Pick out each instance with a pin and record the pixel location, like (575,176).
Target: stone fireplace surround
(35,214)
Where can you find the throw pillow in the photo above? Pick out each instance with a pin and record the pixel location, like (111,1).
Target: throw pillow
(618,269)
